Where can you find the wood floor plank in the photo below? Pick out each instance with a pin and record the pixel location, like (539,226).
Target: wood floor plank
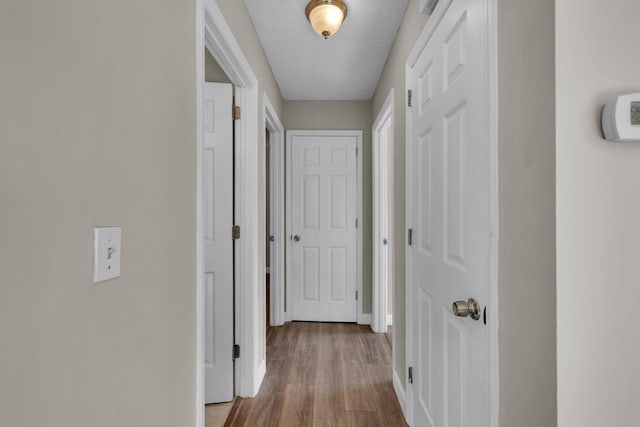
(329,406)
(297,407)
(384,396)
(239,418)
(324,374)
(392,419)
(362,419)
(267,410)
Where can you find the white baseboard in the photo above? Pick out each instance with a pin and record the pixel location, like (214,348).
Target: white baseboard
(262,370)
(389,319)
(400,394)
(364,319)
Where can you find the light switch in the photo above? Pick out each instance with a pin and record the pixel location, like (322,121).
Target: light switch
(106,253)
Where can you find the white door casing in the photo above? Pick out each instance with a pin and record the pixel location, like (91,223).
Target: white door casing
(450,196)
(324,250)
(218,245)
(383,241)
(214,34)
(277,209)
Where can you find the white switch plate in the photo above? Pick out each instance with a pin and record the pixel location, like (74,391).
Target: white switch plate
(106,253)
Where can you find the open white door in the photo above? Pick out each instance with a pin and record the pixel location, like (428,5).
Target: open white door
(324,246)
(449,212)
(382,135)
(218,243)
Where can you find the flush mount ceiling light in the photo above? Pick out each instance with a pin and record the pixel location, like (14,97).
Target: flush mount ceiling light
(326,16)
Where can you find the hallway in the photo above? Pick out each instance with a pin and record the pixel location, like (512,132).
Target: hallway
(323,374)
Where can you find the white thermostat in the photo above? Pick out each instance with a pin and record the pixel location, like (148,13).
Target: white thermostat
(621,118)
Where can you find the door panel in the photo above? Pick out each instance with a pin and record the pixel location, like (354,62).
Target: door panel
(323,214)
(450,258)
(382,281)
(218,245)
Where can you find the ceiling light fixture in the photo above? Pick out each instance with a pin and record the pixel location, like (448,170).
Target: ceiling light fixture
(326,16)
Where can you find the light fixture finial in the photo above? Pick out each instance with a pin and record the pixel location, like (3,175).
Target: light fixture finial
(326,16)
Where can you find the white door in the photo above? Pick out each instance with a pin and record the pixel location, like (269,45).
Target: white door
(218,244)
(381,272)
(324,193)
(450,217)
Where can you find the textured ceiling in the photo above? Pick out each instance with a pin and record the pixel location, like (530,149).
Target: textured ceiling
(347,66)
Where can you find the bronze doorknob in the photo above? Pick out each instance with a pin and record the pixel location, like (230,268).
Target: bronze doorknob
(469,308)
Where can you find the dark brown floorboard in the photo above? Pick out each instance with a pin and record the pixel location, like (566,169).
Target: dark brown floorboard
(323,374)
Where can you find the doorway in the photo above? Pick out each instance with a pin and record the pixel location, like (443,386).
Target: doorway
(216,36)
(383,218)
(268,236)
(275,205)
(324,249)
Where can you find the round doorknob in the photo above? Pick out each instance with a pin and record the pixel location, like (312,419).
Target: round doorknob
(469,308)
(296,238)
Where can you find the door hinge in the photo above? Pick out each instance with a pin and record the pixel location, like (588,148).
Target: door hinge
(410,236)
(409,95)
(356,151)
(236,113)
(235,232)
(356,295)
(356,222)
(410,375)
(236,351)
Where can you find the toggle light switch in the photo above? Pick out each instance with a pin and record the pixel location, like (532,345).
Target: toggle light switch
(106,253)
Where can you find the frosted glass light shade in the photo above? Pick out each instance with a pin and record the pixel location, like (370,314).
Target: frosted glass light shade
(326,16)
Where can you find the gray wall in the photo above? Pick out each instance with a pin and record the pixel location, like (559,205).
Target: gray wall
(97,127)
(527,213)
(598,210)
(212,70)
(236,15)
(342,115)
(393,77)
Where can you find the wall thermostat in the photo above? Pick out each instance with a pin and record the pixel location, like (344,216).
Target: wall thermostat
(621,118)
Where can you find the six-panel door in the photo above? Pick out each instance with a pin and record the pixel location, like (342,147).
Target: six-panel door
(323,209)
(218,246)
(450,215)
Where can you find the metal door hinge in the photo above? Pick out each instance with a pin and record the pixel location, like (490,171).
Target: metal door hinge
(356,295)
(236,351)
(410,375)
(410,236)
(409,96)
(356,222)
(236,113)
(356,151)
(235,232)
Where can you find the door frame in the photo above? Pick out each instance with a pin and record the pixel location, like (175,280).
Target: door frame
(361,318)
(276,210)
(379,303)
(492,106)
(213,32)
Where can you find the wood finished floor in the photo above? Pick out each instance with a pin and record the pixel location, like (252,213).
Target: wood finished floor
(323,374)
